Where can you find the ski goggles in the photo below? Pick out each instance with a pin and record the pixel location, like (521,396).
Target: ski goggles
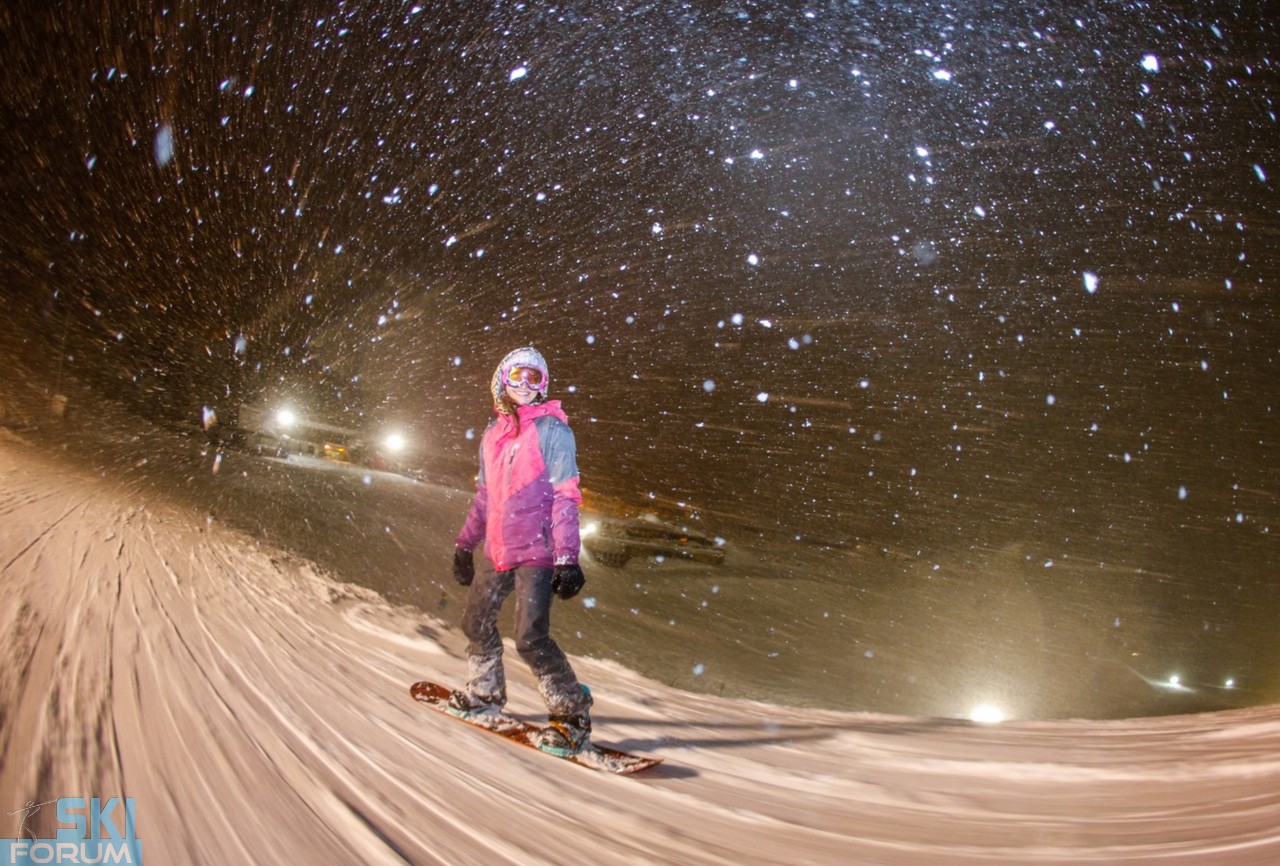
(532,378)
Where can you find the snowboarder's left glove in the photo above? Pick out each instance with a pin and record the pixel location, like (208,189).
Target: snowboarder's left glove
(464,569)
(567,580)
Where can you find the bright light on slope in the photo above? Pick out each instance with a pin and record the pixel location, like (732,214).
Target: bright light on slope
(986,714)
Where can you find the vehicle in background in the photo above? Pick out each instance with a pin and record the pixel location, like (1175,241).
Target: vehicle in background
(612,537)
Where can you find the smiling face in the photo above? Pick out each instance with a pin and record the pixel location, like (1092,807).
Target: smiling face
(521,395)
(520,380)
(522,383)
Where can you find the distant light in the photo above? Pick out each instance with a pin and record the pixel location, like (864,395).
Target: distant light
(1230,684)
(986,714)
(1175,681)
(394,442)
(286,418)
(1151,63)
(590,529)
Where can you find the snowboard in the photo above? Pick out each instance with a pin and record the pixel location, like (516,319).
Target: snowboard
(594,756)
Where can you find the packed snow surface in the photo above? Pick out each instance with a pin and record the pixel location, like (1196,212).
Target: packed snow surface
(258,712)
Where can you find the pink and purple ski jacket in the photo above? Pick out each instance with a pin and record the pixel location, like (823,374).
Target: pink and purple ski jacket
(527,497)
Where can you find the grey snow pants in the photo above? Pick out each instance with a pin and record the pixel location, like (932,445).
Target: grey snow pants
(486,681)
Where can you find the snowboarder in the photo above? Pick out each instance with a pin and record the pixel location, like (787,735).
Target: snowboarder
(526,512)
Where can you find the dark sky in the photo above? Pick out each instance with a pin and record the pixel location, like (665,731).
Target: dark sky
(350,186)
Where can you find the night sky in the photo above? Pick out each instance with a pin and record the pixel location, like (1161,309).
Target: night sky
(944,281)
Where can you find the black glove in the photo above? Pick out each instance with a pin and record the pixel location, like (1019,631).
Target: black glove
(567,580)
(464,570)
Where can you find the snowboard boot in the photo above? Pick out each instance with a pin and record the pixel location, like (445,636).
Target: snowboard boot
(477,712)
(566,736)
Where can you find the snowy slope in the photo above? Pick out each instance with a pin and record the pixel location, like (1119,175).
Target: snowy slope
(258,712)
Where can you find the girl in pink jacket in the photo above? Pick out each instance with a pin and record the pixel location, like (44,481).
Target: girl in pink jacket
(526,513)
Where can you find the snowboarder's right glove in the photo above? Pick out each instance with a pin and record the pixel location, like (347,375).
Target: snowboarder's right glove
(464,569)
(567,580)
